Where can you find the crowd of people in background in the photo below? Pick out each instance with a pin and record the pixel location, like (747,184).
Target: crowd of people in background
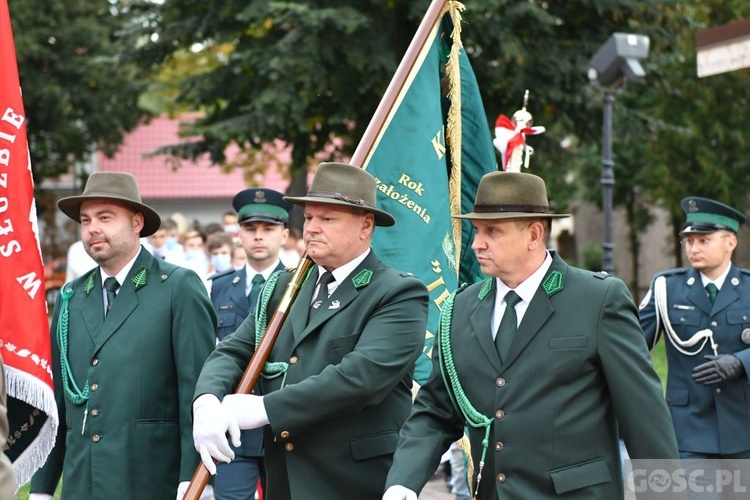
(206,248)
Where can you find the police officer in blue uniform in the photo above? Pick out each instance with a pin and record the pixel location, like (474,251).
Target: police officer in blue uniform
(263,216)
(704,313)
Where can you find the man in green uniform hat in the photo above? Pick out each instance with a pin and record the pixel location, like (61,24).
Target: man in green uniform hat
(542,362)
(337,385)
(129,338)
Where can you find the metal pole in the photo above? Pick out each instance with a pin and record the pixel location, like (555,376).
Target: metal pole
(608,182)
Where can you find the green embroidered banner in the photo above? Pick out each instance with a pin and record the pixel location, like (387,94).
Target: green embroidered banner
(428,160)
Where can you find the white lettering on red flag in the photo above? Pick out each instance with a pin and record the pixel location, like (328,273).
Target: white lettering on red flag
(24,328)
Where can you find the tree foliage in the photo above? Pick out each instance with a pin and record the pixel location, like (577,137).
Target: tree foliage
(697,143)
(302,72)
(77,92)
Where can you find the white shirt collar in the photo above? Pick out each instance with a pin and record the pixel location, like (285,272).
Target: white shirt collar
(123,274)
(266,273)
(529,286)
(719,282)
(525,290)
(341,272)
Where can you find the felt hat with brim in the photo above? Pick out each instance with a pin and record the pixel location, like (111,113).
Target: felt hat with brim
(704,215)
(261,205)
(510,195)
(115,186)
(346,185)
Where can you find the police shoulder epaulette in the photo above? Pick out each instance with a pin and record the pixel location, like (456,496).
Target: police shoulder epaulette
(406,275)
(602,275)
(672,272)
(745,271)
(221,274)
(462,287)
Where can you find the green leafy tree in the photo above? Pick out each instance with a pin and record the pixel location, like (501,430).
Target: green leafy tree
(307,72)
(698,142)
(304,72)
(77,92)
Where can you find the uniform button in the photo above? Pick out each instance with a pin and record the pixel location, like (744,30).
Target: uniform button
(289,447)
(94,387)
(95,438)
(499,414)
(714,324)
(293,360)
(501,478)
(500,382)
(718,390)
(499,446)
(682,320)
(94,412)
(284,434)
(94,361)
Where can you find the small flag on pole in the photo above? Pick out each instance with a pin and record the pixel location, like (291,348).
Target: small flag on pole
(24,328)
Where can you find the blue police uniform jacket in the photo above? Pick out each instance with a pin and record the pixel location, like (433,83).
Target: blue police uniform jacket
(714,418)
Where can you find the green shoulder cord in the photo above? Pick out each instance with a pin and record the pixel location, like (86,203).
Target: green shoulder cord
(453,384)
(271,369)
(74,394)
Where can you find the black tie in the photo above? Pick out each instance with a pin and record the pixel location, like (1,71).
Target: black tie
(713,291)
(508,325)
(322,294)
(111,285)
(252,297)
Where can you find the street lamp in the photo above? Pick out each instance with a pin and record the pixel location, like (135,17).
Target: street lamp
(615,63)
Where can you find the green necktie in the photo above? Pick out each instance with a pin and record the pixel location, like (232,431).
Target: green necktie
(252,297)
(713,291)
(322,294)
(508,325)
(110,285)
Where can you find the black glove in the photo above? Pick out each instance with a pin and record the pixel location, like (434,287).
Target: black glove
(719,369)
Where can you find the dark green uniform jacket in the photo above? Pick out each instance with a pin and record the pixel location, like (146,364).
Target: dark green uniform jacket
(347,391)
(141,364)
(578,365)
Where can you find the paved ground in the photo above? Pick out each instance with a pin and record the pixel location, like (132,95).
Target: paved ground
(436,489)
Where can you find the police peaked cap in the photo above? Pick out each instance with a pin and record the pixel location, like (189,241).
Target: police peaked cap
(263,205)
(706,216)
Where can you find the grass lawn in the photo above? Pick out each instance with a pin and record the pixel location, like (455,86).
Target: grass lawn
(659,356)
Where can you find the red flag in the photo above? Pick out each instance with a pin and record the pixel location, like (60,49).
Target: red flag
(24,328)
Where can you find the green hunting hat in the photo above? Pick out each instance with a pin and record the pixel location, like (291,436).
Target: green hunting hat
(706,216)
(115,186)
(510,195)
(261,205)
(344,184)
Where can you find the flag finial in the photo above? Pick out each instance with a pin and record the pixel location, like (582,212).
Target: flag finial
(510,137)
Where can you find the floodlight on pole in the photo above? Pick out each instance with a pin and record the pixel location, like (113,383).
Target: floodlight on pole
(615,63)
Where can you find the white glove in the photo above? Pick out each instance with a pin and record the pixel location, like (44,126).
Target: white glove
(247,409)
(211,422)
(40,496)
(208,491)
(398,492)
